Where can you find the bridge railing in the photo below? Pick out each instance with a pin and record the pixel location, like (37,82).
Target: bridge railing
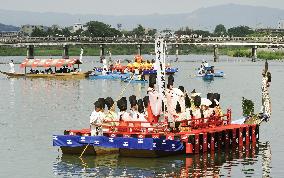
(84,39)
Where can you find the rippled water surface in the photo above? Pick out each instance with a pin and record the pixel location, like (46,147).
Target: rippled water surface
(31,110)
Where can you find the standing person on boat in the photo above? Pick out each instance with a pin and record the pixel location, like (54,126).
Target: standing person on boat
(171,105)
(103,104)
(205,103)
(96,119)
(155,101)
(110,114)
(146,103)
(206,64)
(123,115)
(12,67)
(141,114)
(133,110)
(180,94)
(188,114)
(192,96)
(217,108)
(197,112)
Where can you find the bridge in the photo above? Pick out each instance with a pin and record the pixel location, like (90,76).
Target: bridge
(215,42)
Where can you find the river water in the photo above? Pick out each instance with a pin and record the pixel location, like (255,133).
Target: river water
(32,110)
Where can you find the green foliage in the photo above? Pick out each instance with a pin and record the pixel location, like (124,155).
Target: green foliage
(184,31)
(270,55)
(139,31)
(220,30)
(152,32)
(248,107)
(37,32)
(100,29)
(240,31)
(66,32)
(202,32)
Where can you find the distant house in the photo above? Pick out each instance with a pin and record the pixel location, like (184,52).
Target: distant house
(78,26)
(28,29)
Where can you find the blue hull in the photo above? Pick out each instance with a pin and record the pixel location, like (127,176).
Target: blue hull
(135,81)
(208,77)
(152,144)
(219,74)
(168,71)
(109,76)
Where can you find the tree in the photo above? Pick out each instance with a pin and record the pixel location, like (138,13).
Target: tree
(100,29)
(240,31)
(37,32)
(202,33)
(139,31)
(152,32)
(220,30)
(66,32)
(184,31)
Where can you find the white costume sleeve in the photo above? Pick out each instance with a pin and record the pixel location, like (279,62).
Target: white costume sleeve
(155,102)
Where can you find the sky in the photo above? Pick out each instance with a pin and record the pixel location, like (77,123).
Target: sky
(125,7)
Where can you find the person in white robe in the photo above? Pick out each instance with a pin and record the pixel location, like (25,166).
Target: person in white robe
(96,119)
(12,67)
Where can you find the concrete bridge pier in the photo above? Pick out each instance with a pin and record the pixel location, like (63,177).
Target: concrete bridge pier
(139,49)
(253,53)
(30,52)
(65,54)
(177,52)
(216,53)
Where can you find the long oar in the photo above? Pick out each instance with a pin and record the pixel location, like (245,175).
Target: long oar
(111,108)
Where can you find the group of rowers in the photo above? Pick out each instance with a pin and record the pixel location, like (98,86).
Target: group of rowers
(177,105)
(205,68)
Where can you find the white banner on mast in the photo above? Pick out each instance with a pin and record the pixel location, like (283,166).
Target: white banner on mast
(160,46)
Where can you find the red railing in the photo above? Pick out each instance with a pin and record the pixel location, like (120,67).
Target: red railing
(140,127)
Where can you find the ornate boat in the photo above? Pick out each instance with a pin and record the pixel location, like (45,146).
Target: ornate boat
(157,140)
(66,69)
(189,136)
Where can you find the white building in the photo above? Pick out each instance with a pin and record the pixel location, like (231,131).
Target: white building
(79,26)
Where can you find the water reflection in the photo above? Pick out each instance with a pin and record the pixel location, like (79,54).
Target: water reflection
(222,163)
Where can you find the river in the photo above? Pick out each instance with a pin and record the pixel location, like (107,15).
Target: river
(32,110)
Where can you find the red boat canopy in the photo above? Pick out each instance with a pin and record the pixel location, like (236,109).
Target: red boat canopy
(49,63)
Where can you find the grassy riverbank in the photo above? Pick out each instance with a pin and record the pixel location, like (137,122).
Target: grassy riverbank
(146,49)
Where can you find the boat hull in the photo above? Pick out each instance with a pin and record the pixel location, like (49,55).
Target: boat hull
(77,75)
(208,77)
(109,76)
(168,71)
(135,81)
(90,150)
